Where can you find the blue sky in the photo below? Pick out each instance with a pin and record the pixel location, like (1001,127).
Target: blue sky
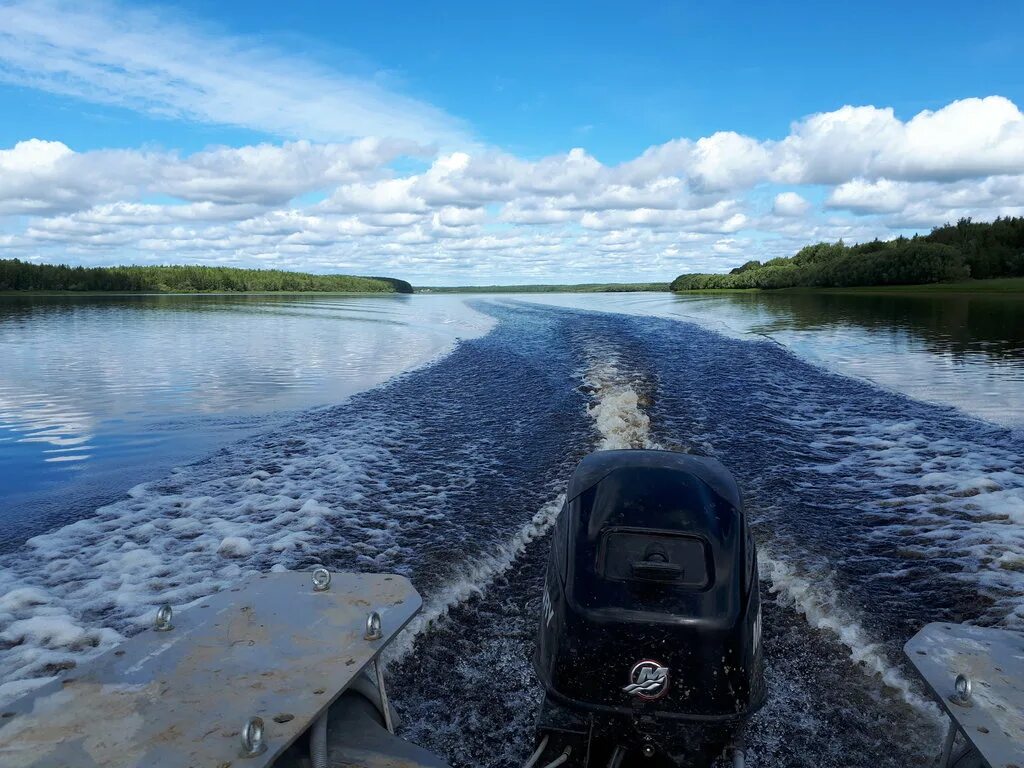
(197,98)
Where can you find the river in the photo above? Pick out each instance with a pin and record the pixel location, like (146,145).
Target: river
(159,448)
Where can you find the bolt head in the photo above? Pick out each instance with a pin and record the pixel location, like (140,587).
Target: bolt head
(251,737)
(962,686)
(163,622)
(373,626)
(321,580)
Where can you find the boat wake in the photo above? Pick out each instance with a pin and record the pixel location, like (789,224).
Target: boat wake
(873,514)
(617,407)
(475,579)
(620,422)
(817,600)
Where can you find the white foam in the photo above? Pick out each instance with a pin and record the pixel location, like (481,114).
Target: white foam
(616,409)
(476,578)
(952,498)
(198,531)
(620,423)
(971,380)
(817,599)
(71,592)
(235,546)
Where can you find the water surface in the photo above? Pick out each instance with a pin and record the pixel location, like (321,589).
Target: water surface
(878,503)
(961,350)
(100,393)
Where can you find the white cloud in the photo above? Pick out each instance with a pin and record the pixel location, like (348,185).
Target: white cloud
(387,196)
(834,146)
(790,204)
(48,177)
(972,137)
(727,161)
(722,217)
(860,196)
(921,204)
(534,211)
(728,245)
(39,177)
(482,214)
(964,139)
(270,174)
(157,64)
(453,216)
(32,156)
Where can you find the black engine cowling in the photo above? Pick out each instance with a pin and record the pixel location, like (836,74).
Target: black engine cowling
(651,611)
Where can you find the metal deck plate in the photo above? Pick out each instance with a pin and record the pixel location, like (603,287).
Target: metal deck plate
(272,647)
(993,659)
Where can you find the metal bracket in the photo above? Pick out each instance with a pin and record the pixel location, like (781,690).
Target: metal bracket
(977,676)
(267,658)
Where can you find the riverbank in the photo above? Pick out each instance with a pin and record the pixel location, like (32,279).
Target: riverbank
(101,294)
(956,253)
(998,285)
(577,288)
(18,276)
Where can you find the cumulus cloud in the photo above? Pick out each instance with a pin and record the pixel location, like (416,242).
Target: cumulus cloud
(39,177)
(861,196)
(48,177)
(728,161)
(386,196)
(790,204)
(722,217)
(967,138)
(922,204)
(453,216)
(482,214)
(534,211)
(271,174)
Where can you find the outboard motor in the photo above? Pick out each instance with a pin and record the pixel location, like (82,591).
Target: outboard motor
(649,644)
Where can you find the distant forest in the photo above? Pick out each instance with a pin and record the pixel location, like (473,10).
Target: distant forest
(961,251)
(18,275)
(568,288)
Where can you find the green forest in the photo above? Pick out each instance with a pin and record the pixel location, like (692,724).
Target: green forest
(961,251)
(18,275)
(536,288)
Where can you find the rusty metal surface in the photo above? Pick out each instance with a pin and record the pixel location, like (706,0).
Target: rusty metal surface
(271,647)
(993,659)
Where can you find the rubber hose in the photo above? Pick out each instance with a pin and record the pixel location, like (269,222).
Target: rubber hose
(537,752)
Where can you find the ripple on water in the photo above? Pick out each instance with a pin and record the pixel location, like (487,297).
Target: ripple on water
(874,513)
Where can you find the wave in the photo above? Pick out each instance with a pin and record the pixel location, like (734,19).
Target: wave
(283,501)
(620,422)
(816,599)
(617,407)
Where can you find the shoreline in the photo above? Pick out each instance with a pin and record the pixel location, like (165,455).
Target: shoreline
(998,286)
(546,288)
(5,294)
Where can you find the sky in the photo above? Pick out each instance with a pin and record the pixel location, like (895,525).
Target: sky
(464,143)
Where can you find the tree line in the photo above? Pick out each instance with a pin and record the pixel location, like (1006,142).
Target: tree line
(961,251)
(544,288)
(16,275)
